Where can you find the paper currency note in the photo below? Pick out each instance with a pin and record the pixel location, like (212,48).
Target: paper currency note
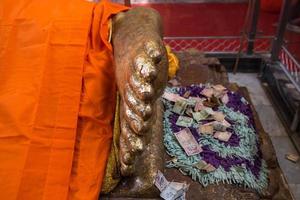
(209,168)
(179,186)
(188,142)
(183,187)
(198,106)
(191,101)
(182,197)
(189,112)
(184,121)
(219,87)
(218,126)
(218,94)
(202,165)
(170,190)
(226,123)
(196,99)
(208,92)
(206,129)
(209,110)
(187,94)
(172,97)
(174,191)
(218,116)
(198,116)
(160,181)
(223,136)
(225,99)
(169,193)
(179,107)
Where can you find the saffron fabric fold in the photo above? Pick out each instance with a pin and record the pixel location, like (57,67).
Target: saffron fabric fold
(57,98)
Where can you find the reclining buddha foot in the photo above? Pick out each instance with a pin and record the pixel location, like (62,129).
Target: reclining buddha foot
(141,183)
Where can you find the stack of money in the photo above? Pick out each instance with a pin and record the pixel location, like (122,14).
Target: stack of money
(197,109)
(170,190)
(198,112)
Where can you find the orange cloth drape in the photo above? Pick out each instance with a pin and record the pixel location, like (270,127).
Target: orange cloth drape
(57,93)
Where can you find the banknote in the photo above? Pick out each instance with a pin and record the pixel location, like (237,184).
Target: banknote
(184,121)
(208,92)
(189,112)
(209,168)
(169,193)
(218,116)
(160,181)
(174,191)
(219,87)
(206,129)
(219,93)
(222,135)
(188,142)
(225,99)
(201,164)
(196,99)
(209,110)
(182,188)
(198,106)
(170,190)
(218,126)
(198,116)
(179,186)
(182,197)
(225,123)
(187,94)
(179,107)
(204,166)
(193,100)
(172,97)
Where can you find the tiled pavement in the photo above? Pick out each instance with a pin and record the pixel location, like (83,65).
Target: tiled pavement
(273,126)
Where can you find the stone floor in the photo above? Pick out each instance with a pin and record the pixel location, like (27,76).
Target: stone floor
(273,126)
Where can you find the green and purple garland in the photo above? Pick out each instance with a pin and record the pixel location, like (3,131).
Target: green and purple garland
(237,161)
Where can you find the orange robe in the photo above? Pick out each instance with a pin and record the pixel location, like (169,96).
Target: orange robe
(57,98)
